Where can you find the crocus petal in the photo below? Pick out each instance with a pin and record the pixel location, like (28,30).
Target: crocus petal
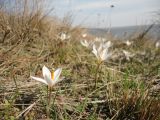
(39,79)
(107,44)
(157,44)
(100,47)
(86,43)
(83,43)
(56,75)
(46,72)
(103,54)
(95,51)
(48,80)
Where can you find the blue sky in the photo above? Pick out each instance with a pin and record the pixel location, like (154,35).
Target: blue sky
(98,13)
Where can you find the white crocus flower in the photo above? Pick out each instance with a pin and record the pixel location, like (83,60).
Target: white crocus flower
(103,39)
(64,36)
(128,55)
(101,53)
(100,39)
(84,43)
(128,43)
(84,35)
(157,45)
(97,39)
(49,78)
(107,44)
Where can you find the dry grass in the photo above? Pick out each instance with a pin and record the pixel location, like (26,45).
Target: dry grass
(127,90)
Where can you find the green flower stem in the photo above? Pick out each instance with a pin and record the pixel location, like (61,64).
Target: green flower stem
(49,101)
(96,74)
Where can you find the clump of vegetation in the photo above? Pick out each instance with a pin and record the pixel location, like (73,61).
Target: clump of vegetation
(125,87)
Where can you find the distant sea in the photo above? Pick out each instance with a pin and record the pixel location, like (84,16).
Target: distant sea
(124,32)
